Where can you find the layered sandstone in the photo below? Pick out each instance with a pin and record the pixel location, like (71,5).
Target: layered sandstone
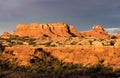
(38,30)
(59,29)
(97,31)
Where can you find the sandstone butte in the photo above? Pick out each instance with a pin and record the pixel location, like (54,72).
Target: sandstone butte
(59,29)
(52,30)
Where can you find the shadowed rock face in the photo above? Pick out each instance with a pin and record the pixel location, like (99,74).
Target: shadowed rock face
(97,31)
(38,30)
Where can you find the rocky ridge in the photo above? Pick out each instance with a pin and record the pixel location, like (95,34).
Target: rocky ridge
(59,29)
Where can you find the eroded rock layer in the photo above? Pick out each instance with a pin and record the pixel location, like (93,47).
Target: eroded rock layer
(59,29)
(52,30)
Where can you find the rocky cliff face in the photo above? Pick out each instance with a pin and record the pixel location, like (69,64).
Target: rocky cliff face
(51,30)
(59,29)
(97,31)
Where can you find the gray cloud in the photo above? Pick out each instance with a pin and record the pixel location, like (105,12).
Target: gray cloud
(80,13)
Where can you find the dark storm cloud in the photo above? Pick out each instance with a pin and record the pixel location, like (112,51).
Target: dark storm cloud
(80,13)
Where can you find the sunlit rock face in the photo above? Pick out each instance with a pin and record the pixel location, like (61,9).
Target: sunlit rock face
(96,31)
(58,29)
(51,30)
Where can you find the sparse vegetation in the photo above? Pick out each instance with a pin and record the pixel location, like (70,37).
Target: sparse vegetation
(52,67)
(48,65)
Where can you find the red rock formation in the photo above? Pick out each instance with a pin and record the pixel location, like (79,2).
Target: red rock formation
(85,55)
(38,30)
(6,35)
(57,29)
(97,31)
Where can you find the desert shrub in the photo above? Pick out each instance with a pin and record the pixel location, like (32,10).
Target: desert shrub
(101,39)
(112,43)
(48,44)
(11,52)
(100,61)
(113,37)
(31,42)
(81,36)
(93,69)
(5,64)
(0,64)
(53,45)
(32,60)
(20,42)
(73,43)
(90,35)
(45,35)
(90,42)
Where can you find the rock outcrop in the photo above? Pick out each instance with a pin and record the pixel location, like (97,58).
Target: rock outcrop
(97,31)
(59,29)
(6,35)
(38,30)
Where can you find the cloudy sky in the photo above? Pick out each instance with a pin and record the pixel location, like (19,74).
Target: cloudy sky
(83,14)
